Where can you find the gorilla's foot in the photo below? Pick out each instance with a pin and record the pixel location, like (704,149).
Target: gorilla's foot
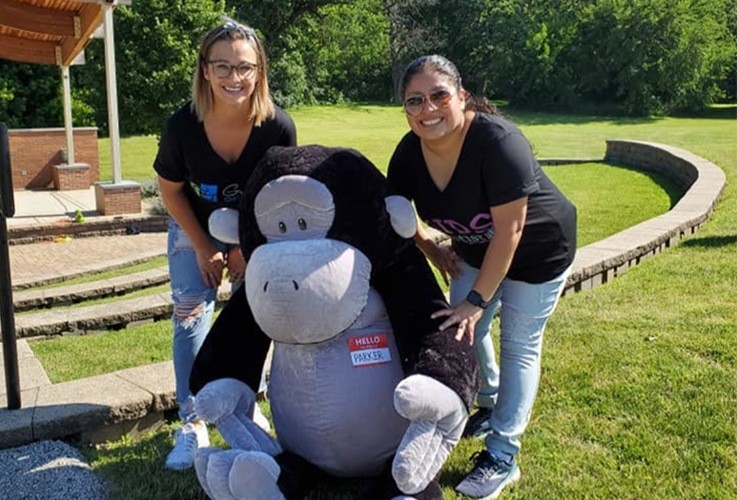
(238,475)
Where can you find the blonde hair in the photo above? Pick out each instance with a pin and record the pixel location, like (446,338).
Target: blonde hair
(262,107)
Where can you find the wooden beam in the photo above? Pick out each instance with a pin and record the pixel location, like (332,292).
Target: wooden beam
(102,2)
(90,17)
(26,50)
(28,17)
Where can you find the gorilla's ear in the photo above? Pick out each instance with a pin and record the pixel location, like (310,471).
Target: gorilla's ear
(223,224)
(401,215)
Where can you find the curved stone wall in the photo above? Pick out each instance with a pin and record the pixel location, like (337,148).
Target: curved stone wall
(703,181)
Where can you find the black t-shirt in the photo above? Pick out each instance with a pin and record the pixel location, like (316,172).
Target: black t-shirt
(496,165)
(210,182)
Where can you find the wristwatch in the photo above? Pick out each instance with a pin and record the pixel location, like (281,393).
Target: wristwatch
(475,298)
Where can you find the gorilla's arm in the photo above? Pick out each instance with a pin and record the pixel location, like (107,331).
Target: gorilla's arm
(411,294)
(235,347)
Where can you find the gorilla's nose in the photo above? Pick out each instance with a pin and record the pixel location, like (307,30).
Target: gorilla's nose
(281,286)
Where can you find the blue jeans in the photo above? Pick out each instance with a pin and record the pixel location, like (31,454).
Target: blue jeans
(194,304)
(510,387)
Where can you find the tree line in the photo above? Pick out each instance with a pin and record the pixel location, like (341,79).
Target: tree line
(634,57)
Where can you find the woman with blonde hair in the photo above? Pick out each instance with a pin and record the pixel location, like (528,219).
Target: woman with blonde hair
(207,152)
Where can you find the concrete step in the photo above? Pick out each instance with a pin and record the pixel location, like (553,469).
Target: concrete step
(69,269)
(32,375)
(74,294)
(94,409)
(114,315)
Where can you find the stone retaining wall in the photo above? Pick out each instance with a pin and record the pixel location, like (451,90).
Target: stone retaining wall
(606,259)
(101,226)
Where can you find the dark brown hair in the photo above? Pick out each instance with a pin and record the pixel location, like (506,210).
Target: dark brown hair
(441,65)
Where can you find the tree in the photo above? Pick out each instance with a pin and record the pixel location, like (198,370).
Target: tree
(348,55)
(30,95)
(411,34)
(650,56)
(156,44)
(321,50)
(642,56)
(275,19)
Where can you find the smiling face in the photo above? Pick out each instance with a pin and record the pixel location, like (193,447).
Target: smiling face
(440,115)
(233,89)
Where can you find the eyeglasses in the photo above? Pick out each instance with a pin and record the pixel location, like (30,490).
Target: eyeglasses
(224,70)
(414,105)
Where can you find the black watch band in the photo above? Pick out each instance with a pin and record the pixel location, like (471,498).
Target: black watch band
(475,298)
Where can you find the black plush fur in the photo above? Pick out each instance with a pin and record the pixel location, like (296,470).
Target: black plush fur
(236,347)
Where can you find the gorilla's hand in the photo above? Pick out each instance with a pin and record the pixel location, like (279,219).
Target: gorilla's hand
(438,416)
(229,404)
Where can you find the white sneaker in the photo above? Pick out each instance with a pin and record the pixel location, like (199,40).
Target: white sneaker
(188,438)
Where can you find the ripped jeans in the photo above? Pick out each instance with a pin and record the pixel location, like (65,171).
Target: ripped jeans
(510,387)
(194,303)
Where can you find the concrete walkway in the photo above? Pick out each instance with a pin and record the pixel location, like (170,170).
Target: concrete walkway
(89,408)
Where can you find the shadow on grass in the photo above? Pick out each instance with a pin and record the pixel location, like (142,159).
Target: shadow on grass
(580,116)
(532,117)
(673,190)
(711,241)
(717,111)
(135,470)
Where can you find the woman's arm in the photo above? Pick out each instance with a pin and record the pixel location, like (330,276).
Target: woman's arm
(442,256)
(209,259)
(509,220)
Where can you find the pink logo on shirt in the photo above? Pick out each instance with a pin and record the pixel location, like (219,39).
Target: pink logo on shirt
(480,229)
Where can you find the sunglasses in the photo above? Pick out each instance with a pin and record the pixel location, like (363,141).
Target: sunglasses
(224,70)
(414,105)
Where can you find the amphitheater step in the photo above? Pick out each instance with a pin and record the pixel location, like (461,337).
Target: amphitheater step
(112,315)
(74,294)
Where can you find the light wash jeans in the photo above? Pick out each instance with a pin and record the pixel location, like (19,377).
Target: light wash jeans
(510,388)
(194,304)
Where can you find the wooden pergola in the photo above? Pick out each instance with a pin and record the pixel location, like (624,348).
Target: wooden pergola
(57,32)
(47,31)
(50,32)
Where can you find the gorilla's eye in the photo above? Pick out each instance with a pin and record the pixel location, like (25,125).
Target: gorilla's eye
(282,227)
(302,224)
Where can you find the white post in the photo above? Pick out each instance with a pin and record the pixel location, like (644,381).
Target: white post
(68,125)
(112,94)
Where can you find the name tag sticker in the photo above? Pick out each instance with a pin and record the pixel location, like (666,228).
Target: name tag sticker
(369,350)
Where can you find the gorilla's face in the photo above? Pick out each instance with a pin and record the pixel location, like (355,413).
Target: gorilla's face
(303,287)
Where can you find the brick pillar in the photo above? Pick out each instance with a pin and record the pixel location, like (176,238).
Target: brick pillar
(69,177)
(118,199)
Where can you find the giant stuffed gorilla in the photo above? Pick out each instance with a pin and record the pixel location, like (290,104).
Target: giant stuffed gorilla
(362,382)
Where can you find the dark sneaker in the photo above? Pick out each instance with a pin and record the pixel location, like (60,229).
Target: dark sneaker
(479,424)
(488,477)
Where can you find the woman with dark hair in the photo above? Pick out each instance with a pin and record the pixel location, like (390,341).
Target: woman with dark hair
(207,152)
(472,175)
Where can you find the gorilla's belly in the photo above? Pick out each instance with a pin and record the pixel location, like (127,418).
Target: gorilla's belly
(332,402)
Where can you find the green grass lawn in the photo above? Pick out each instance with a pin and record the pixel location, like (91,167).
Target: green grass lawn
(639,384)
(642,196)
(74,357)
